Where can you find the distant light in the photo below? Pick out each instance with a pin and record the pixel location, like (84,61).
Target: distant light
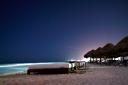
(119,58)
(72,60)
(85,59)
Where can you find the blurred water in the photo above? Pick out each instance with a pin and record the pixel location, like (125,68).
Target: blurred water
(6,69)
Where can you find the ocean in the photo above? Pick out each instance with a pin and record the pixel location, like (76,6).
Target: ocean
(6,69)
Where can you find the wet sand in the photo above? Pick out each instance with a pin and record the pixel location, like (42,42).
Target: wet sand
(95,75)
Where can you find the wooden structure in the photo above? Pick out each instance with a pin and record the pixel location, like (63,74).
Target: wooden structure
(77,65)
(57,68)
(48,69)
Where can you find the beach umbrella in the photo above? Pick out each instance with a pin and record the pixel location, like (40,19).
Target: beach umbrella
(99,53)
(108,51)
(87,54)
(90,54)
(122,48)
(122,45)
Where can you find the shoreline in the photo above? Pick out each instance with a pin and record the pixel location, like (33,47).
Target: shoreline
(109,75)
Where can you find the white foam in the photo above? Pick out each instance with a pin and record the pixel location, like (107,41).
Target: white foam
(22,64)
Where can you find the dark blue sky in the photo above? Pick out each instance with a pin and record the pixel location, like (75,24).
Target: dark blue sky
(58,30)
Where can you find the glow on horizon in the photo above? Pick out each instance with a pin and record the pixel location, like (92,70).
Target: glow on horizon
(83,59)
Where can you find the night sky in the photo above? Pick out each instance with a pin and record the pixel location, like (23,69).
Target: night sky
(58,30)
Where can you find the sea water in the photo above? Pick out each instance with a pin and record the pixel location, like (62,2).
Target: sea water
(6,69)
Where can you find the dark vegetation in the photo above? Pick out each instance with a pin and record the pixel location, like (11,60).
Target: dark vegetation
(108,53)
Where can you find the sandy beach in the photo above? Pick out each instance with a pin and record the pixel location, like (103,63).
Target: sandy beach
(95,75)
